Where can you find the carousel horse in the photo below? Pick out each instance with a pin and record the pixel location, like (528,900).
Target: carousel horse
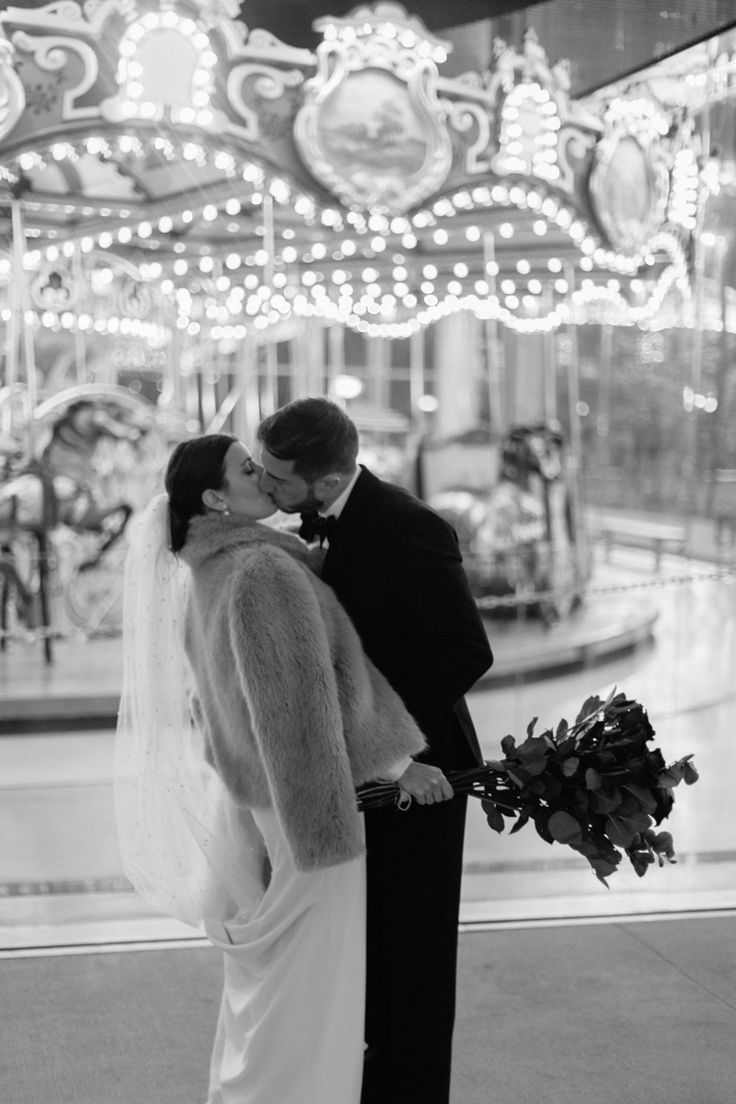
(68,462)
(517,538)
(531,500)
(532,460)
(11,582)
(60,487)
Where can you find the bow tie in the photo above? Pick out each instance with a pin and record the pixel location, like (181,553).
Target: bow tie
(315,527)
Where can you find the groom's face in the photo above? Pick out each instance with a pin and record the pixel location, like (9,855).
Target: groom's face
(288,491)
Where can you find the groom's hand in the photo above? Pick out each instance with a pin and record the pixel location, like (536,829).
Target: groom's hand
(426,784)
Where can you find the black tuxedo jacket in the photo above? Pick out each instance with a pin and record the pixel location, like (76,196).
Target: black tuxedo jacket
(396,567)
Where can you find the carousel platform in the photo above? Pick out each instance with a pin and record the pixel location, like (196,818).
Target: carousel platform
(81,686)
(605,626)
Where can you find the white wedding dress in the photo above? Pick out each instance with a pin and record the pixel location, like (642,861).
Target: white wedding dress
(290,1028)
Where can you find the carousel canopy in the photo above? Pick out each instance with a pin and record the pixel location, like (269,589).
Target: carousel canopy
(166,167)
(293,20)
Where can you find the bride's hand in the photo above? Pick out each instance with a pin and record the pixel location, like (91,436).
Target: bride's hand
(426,784)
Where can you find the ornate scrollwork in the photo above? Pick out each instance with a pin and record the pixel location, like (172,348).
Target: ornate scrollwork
(462,116)
(572,149)
(531,98)
(67,10)
(629,180)
(52,53)
(269,83)
(55,288)
(371,127)
(12,92)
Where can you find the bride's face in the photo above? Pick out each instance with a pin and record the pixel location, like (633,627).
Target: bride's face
(240,491)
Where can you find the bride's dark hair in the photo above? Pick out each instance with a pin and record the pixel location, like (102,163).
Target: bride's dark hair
(193,467)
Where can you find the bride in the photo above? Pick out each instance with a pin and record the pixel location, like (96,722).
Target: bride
(249,714)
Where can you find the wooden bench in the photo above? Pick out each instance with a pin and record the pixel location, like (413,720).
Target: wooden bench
(660,536)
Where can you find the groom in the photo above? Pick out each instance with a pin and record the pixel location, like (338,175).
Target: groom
(395,566)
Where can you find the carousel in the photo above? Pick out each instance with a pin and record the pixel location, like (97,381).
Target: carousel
(187,246)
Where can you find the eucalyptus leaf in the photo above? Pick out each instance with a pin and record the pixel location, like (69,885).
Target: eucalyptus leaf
(534,767)
(493,816)
(541,823)
(630,804)
(690,775)
(567,747)
(672,777)
(552,787)
(532,748)
(605,801)
(624,830)
(508,744)
(641,861)
(643,796)
(665,801)
(619,832)
(581,800)
(589,711)
(603,864)
(662,843)
(564,828)
(589,708)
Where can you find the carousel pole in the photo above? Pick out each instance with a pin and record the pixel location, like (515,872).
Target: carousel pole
(247,413)
(80,341)
(493,343)
(576,441)
(269,392)
(336,357)
(173,366)
(603,416)
(16,302)
(550,367)
(417,387)
(24,312)
(691,480)
(23,309)
(417,384)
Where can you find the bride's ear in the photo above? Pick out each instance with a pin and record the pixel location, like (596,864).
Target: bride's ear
(213,501)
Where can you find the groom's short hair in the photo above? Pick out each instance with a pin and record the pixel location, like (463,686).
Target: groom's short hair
(315,433)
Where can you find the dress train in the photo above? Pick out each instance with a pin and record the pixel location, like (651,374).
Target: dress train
(290,1027)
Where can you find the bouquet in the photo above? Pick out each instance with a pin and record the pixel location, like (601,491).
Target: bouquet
(594,785)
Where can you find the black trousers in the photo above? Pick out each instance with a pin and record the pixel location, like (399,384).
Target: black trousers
(414,875)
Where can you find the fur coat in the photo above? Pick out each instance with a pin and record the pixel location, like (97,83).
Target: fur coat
(294,714)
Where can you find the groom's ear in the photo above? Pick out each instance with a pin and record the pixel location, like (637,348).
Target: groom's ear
(327,484)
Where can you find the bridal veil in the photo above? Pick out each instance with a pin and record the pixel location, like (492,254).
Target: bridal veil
(185,846)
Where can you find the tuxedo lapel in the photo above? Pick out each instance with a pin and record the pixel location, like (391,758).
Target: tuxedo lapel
(352,526)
